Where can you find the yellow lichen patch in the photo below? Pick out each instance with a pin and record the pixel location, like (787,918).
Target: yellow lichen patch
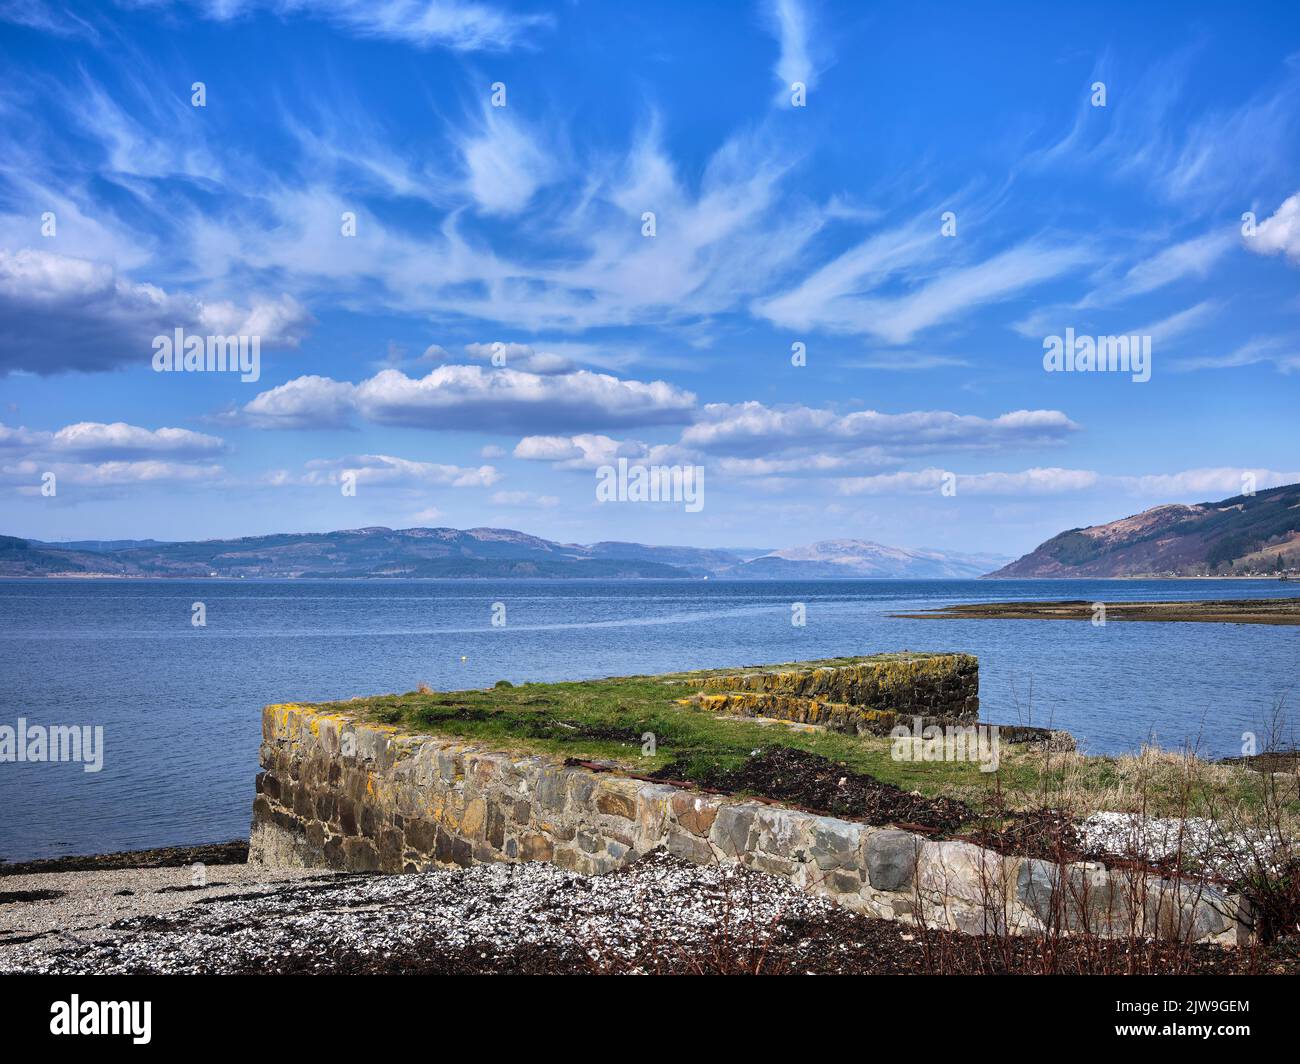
(889,684)
(839,716)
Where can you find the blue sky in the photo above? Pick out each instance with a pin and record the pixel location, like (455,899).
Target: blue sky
(523,226)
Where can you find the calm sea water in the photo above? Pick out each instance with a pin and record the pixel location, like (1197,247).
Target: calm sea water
(180,705)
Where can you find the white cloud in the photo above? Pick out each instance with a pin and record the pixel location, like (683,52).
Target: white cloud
(1145,133)
(1176,324)
(758,442)
(579,263)
(507,399)
(519,356)
(94,441)
(473,397)
(281,320)
(53,18)
(809,464)
(906,362)
(791,24)
(90,439)
(1035,481)
(456,24)
(66,313)
(752,428)
(835,297)
(525,500)
(1207,485)
(1198,484)
(26,475)
(386,470)
(91,455)
(585,451)
(1280,232)
(1283,352)
(20,440)
(1190,258)
(960,289)
(301,403)
(831,291)
(504,165)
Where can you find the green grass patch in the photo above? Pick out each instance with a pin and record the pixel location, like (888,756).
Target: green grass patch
(608,719)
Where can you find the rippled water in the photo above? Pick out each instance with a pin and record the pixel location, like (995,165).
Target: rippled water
(181,705)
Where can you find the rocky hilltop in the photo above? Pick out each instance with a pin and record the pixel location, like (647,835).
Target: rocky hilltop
(1247,535)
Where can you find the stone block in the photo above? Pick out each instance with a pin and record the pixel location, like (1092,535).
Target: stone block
(834,843)
(694,813)
(690,848)
(891,859)
(535,848)
(612,802)
(732,829)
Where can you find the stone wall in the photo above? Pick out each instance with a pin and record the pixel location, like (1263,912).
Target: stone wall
(340,793)
(924,685)
(868,697)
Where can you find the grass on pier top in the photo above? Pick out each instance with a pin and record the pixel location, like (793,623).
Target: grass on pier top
(606,720)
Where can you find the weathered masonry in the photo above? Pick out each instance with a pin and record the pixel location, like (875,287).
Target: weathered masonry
(869,697)
(343,793)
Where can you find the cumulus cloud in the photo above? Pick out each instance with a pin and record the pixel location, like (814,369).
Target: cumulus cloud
(97,442)
(759,442)
(507,400)
(60,312)
(752,428)
(518,356)
(26,475)
(1279,233)
(94,440)
(586,451)
(473,397)
(93,455)
(302,403)
(1027,482)
(383,469)
(20,440)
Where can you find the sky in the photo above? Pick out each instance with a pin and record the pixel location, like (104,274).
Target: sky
(818,251)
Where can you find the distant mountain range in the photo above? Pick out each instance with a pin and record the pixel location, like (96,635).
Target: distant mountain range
(475,552)
(858,559)
(1247,535)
